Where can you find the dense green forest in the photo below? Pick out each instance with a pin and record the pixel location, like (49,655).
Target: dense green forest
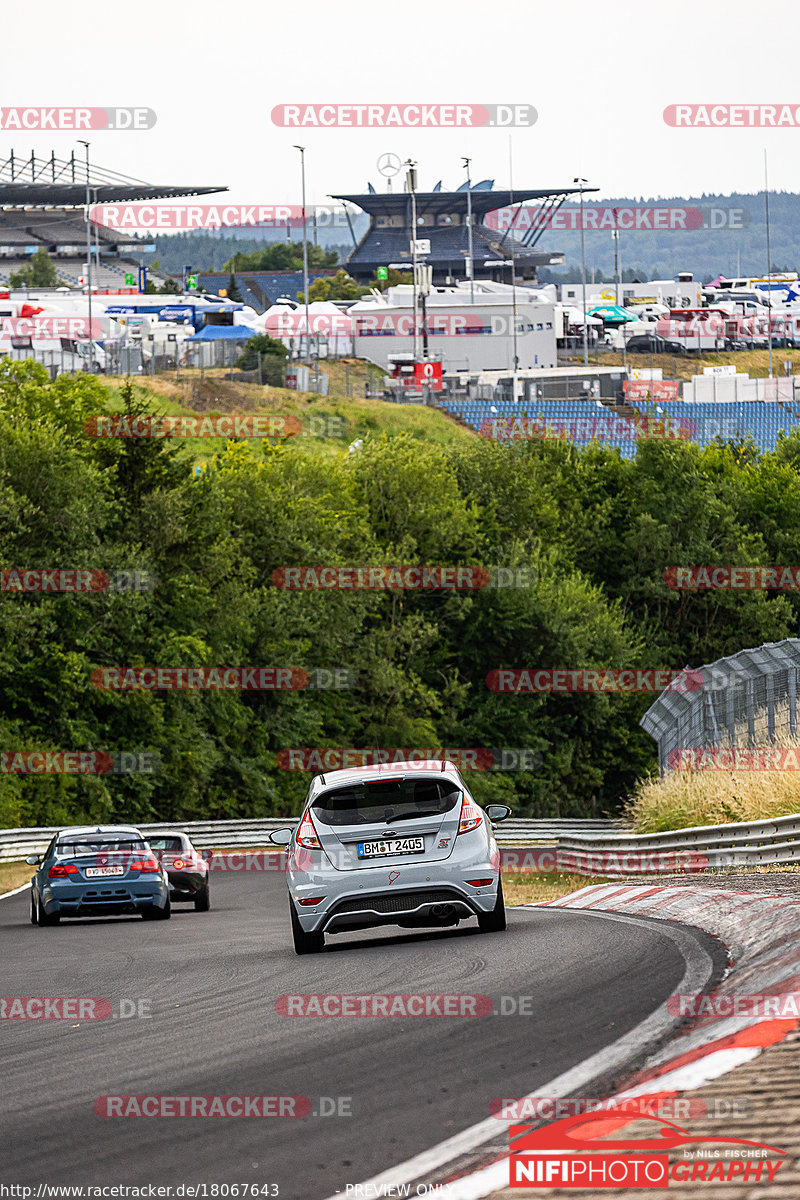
(732,241)
(595,531)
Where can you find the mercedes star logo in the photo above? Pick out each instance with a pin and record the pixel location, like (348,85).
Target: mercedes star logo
(389,164)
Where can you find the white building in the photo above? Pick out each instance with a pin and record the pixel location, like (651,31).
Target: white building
(468,334)
(683,292)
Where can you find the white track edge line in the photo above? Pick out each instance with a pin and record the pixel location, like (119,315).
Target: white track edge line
(14,892)
(698,970)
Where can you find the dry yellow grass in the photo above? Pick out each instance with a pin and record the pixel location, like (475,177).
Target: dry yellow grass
(532,889)
(13,875)
(719,795)
(752,362)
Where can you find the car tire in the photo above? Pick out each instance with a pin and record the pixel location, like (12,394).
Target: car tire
(33,909)
(494,921)
(202,901)
(42,917)
(305,943)
(154,913)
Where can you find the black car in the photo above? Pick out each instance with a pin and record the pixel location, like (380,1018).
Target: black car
(187,870)
(650,343)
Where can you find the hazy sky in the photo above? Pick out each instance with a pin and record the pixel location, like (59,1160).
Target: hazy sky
(599,75)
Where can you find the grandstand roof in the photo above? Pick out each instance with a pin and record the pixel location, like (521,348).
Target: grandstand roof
(387,239)
(33,182)
(439,203)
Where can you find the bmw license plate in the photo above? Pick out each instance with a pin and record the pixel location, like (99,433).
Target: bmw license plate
(94,872)
(409,845)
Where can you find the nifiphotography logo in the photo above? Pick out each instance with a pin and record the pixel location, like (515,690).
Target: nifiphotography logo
(576,1152)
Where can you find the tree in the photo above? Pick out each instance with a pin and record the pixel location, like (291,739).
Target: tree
(282,256)
(233,289)
(171,288)
(340,287)
(269,348)
(39,272)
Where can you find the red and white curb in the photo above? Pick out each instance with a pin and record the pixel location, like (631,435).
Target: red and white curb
(762,935)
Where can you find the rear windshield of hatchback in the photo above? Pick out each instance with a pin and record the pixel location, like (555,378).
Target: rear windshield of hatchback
(386,800)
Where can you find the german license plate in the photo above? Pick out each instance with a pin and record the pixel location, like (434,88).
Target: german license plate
(410,845)
(95,872)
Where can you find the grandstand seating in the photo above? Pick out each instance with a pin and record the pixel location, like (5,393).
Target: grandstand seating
(582,421)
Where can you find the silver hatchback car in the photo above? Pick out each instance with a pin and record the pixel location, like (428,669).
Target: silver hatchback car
(397,844)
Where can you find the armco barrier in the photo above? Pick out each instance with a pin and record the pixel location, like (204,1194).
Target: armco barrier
(580,847)
(17,844)
(713,847)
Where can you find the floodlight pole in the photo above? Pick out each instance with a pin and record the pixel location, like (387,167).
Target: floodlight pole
(769,266)
(88,257)
(580,183)
(471,258)
(411,184)
(302,150)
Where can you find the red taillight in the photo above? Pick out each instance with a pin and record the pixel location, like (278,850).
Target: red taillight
(60,870)
(143,864)
(480,882)
(306,835)
(312,900)
(471,816)
(179,864)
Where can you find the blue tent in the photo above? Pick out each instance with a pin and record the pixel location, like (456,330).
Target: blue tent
(223,333)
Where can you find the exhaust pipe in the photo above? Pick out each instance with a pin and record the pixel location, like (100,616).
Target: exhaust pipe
(443,911)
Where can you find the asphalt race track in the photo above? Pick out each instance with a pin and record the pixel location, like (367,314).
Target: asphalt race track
(211,981)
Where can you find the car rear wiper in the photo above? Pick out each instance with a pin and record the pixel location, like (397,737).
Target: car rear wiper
(408,816)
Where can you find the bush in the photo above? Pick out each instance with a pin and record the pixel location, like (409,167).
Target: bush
(269,348)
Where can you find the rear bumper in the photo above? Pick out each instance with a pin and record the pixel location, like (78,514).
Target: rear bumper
(422,902)
(185,885)
(425,909)
(104,899)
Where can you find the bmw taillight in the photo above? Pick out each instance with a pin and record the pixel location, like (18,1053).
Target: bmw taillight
(306,835)
(179,864)
(471,816)
(143,864)
(61,870)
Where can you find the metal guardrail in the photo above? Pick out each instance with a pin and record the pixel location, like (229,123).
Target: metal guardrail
(602,848)
(703,847)
(16,844)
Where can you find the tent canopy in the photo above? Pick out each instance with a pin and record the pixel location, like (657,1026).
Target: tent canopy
(223,333)
(611,313)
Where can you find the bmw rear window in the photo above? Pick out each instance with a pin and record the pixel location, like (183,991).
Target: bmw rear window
(386,800)
(100,846)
